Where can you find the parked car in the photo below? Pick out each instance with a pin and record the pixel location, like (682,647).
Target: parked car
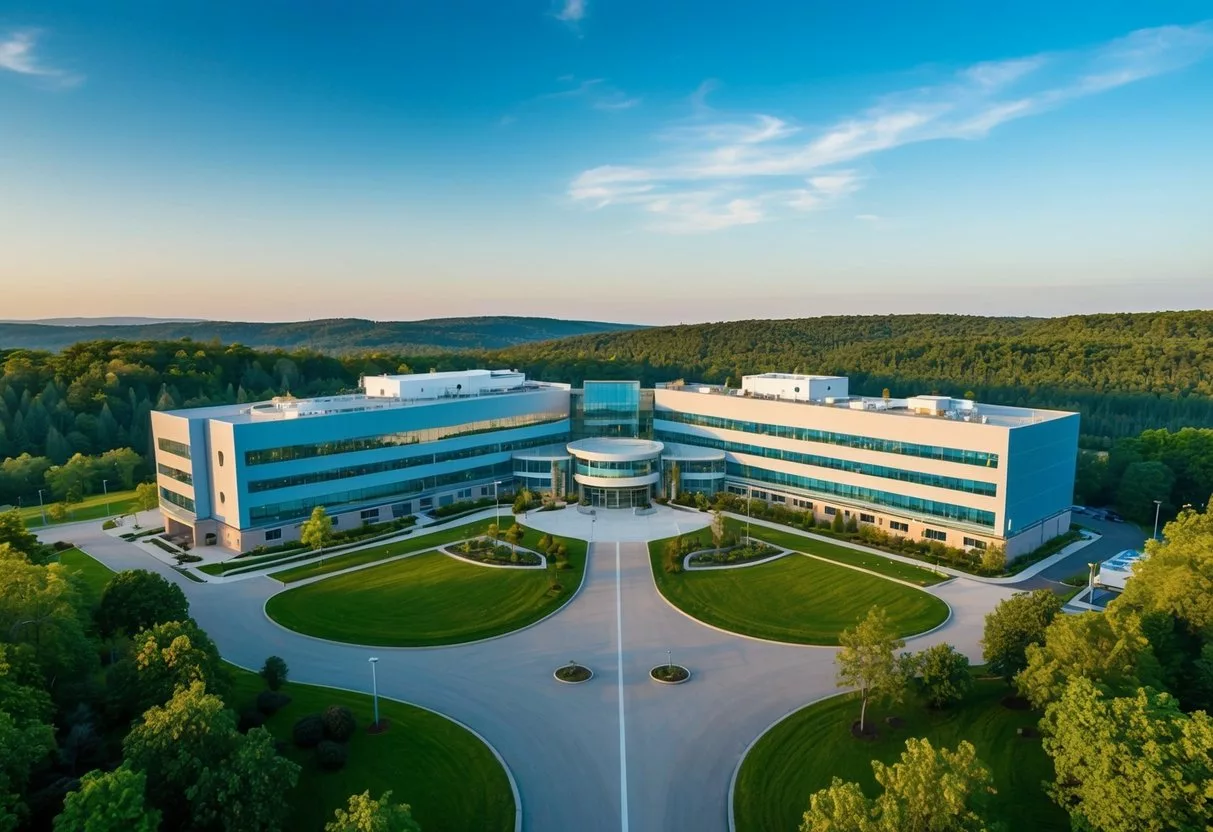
(1114,517)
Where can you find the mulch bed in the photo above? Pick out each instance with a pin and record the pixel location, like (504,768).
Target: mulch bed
(868,734)
(380,727)
(894,722)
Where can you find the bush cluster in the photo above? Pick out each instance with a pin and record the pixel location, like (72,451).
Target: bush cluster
(556,551)
(269,702)
(329,732)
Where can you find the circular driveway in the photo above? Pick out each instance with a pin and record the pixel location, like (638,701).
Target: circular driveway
(616,753)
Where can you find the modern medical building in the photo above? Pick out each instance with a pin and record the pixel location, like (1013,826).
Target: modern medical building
(929,467)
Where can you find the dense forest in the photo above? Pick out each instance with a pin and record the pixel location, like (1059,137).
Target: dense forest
(336,336)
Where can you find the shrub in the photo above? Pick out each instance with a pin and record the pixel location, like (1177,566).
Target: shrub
(339,723)
(250,718)
(331,755)
(852,524)
(837,525)
(308,731)
(994,559)
(271,701)
(183,558)
(943,675)
(274,672)
(108,524)
(63,545)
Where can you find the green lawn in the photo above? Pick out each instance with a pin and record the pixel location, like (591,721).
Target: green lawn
(428,599)
(794,599)
(800,755)
(416,543)
(91,508)
(841,554)
(94,574)
(449,777)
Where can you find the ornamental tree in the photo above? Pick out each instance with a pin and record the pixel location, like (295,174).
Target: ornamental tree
(943,675)
(365,814)
(317,531)
(868,661)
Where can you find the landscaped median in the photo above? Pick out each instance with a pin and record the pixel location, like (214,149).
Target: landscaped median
(800,755)
(427,599)
(798,599)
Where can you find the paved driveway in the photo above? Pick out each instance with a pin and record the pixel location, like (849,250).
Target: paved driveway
(617,753)
(1116,538)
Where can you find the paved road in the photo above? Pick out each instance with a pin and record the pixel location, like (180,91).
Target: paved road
(1116,538)
(617,753)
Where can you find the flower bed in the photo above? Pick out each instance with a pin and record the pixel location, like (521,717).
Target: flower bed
(487,550)
(742,553)
(670,674)
(573,673)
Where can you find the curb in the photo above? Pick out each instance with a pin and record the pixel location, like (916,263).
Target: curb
(571,681)
(664,682)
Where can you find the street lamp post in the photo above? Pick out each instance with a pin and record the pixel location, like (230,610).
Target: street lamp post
(749,496)
(1157,509)
(496,506)
(41,505)
(1091,582)
(106,491)
(374,660)
(669,660)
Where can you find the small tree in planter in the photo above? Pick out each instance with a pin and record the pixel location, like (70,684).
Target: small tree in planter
(317,531)
(718,529)
(837,525)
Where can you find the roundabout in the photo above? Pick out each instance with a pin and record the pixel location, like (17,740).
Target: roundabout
(646,760)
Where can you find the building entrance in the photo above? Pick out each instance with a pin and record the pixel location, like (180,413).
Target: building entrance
(618,497)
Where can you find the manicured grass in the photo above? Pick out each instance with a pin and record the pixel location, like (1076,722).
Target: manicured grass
(841,554)
(800,755)
(451,779)
(795,599)
(417,543)
(428,599)
(91,508)
(94,574)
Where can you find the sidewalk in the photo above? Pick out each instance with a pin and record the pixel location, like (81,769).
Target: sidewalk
(1029,572)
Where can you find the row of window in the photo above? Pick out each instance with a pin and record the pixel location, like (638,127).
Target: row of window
(599,468)
(301,508)
(984,459)
(696,466)
(170,446)
(175,473)
(176,499)
(273,483)
(916,505)
(536,466)
(392,440)
(987,489)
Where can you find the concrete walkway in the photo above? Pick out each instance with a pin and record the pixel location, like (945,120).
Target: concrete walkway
(617,753)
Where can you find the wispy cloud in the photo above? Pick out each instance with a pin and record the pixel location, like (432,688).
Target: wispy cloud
(868,217)
(17,55)
(571,11)
(720,170)
(596,93)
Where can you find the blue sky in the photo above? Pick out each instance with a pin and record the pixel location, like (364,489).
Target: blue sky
(608,159)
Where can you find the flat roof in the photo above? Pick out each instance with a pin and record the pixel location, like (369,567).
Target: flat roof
(618,448)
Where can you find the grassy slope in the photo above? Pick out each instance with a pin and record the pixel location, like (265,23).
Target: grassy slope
(449,778)
(93,573)
(91,508)
(794,599)
(414,543)
(427,599)
(802,753)
(842,554)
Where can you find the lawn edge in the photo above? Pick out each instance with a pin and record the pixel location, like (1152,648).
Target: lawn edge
(509,774)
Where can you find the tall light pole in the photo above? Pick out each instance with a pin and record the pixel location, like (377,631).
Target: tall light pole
(105,490)
(749,496)
(496,506)
(41,505)
(1157,509)
(374,660)
(1091,583)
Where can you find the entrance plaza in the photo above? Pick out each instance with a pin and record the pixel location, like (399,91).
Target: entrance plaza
(646,757)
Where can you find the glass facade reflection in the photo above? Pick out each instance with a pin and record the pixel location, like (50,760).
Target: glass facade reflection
(616,470)
(609,408)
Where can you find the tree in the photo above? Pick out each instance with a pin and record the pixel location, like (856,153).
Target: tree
(365,814)
(317,531)
(137,600)
(1177,576)
(41,606)
(718,529)
(176,742)
(1141,485)
(993,560)
(113,801)
(249,790)
(927,790)
(164,658)
(867,660)
(493,532)
(25,743)
(675,480)
(14,533)
(1014,624)
(838,525)
(274,672)
(1109,648)
(1129,764)
(943,675)
(147,496)
(57,512)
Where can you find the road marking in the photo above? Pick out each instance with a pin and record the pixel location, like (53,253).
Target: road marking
(623,737)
